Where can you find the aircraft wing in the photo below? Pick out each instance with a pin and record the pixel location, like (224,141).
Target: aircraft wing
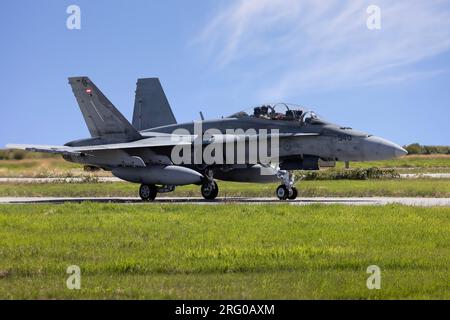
(158,141)
(163,140)
(41,148)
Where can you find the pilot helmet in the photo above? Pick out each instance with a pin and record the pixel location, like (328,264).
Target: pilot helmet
(264,109)
(298,114)
(290,114)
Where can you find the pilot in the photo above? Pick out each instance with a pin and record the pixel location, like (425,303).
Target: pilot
(298,114)
(257,112)
(264,112)
(289,115)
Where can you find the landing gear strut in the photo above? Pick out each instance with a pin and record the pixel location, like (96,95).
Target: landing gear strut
(148,192)
(286,190)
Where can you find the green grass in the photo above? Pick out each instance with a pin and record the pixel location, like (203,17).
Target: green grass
(232,251)
(56,163)
(409,164)
(337,188)
(50,167)
(56,166)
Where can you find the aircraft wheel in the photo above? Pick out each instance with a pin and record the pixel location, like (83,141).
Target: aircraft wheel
(148,192)
(210,190)
(294,194)
(282,192)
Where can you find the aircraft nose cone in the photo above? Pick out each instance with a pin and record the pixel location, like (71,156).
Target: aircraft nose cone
(400,152)
(381,149)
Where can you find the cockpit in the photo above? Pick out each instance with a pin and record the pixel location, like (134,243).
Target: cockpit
(279,111)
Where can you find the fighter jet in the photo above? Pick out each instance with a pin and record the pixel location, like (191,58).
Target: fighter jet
(143,152)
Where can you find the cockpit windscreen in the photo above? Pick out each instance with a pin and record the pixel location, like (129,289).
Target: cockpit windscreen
(279,111)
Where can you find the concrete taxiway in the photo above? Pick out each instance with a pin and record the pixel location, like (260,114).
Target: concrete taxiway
(114,179)
(422,202)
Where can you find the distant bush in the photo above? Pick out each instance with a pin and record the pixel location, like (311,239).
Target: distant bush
(21,154)
(351,174)
(416,148)
(18,154)
(12,154)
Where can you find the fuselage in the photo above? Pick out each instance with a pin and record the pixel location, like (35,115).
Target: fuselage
(333,142)
(316,139)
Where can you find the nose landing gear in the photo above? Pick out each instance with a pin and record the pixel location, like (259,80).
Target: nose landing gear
(283,193)
(286,191)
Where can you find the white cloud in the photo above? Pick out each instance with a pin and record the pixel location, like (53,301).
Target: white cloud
(320,45)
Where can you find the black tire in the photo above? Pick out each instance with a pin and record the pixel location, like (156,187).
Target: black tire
(282,192)
(148,192)
(209,190)
(294,194)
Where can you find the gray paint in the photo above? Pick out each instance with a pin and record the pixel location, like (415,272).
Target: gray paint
(151,108)
(102,118)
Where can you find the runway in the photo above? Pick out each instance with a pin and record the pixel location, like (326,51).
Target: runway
(421,202)
(114,179)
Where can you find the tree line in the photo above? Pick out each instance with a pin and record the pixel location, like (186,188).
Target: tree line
(416,148)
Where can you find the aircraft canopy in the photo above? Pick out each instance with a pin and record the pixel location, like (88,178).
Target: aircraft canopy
(278,111)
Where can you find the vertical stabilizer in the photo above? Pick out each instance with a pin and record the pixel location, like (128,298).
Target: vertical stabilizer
(102,118)
(151,108)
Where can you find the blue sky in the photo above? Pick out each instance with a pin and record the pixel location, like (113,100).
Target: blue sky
(223,56)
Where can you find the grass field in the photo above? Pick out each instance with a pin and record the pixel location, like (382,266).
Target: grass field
(225,252)
(233,251)
(335,188)
(57,167)
(409,164)
(47,167)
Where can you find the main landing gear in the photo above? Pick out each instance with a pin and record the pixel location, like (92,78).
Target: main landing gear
(148,192)
(286,191)
(209,190)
